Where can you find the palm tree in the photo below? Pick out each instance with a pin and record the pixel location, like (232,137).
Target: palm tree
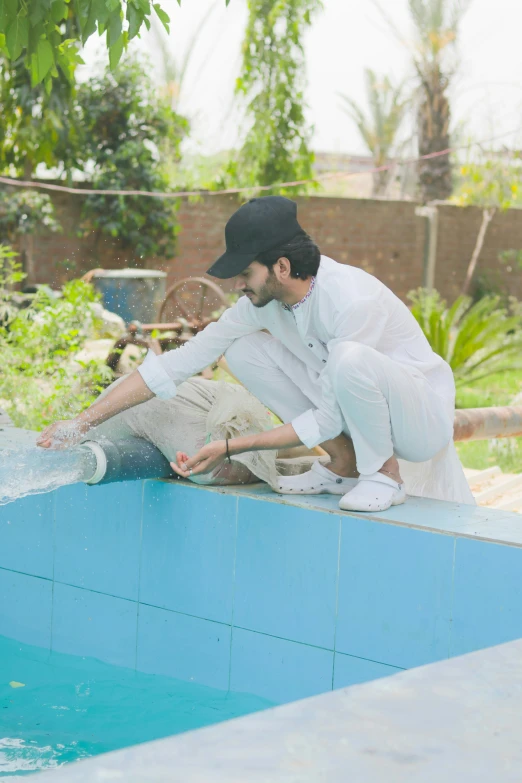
(174,69)
(379,130)
(436,24)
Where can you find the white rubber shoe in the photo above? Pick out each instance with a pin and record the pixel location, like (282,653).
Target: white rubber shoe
(316,481)
(373,493)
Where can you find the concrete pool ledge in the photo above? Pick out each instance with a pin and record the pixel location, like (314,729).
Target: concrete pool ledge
(480,522)
(454,721)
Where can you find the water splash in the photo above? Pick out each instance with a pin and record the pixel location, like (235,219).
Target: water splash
(31,470)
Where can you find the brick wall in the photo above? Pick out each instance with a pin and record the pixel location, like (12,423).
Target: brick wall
(458,229)
(384,237)
(61,256)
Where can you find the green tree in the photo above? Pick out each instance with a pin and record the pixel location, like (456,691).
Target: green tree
(379,129)
(39,31)
(37,127)
(277,145)
(174,65)
(125,124)
(436,25)
(494,185)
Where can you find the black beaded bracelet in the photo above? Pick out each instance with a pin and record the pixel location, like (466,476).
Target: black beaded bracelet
(228,454)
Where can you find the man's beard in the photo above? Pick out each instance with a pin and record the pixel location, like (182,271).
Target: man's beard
(268,292)
(264,297)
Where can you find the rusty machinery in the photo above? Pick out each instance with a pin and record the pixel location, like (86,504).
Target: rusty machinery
(188,307)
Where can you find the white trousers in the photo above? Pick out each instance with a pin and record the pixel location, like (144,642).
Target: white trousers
(388,408)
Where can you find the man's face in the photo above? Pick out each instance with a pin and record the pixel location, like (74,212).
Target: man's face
(259,284)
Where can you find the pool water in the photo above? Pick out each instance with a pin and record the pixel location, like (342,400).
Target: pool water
(57,708)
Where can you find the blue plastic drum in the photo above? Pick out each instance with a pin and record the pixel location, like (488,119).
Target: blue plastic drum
(134,294)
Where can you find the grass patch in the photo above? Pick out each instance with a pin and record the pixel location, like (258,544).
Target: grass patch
(498,389)
(481,454)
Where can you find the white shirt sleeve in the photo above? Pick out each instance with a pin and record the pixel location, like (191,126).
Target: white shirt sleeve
(363,323)
(163,373)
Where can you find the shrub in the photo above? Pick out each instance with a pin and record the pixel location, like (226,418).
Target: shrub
(476,339)
(40,382)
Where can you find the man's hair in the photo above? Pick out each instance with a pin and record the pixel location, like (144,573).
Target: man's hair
(301,251)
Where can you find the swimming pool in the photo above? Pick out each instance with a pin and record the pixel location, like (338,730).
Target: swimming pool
(240,591)
(57,708)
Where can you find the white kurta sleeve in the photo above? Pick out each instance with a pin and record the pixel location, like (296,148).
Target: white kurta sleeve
(163,373)
(363,323)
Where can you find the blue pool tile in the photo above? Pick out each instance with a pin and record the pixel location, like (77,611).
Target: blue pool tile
(26,535)
(25,608)
(277,669)
(352,671)
(187,562)
(487,600)
(98,537)
(187,648)
(394,593)
(94,625)
(286,572)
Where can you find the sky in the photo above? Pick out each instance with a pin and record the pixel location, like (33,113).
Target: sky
(346,37)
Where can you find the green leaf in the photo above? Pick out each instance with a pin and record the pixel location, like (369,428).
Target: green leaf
(59,10)
(116,51)
(101,11)
(41,61)
(11,8)
(162,16)
(17,36)
(135,19)
(37,14)
(89,26)
(113,5)
(114,29)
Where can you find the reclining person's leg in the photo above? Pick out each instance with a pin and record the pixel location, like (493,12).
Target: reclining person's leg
(173,425)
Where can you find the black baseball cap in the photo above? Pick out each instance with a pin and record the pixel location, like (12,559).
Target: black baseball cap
(259,225)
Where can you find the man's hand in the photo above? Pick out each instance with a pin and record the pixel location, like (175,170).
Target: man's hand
(62,434)
(207,458)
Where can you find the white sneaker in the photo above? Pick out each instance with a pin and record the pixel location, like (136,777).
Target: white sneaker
(316,481)
(373,493)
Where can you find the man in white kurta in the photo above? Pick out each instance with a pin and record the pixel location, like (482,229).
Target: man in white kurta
(349,357)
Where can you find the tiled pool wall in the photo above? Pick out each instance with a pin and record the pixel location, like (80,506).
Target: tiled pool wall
(246,591)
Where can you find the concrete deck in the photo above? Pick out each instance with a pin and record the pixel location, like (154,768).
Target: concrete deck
(453,722)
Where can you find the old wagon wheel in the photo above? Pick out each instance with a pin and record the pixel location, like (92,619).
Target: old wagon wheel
(194,298)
